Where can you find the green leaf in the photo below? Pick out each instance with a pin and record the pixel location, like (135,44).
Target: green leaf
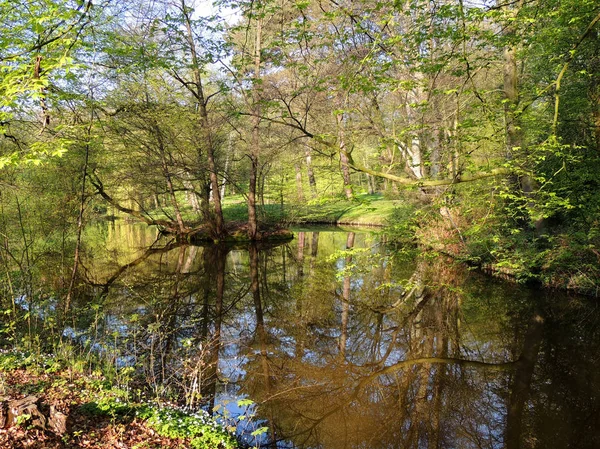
(259,431)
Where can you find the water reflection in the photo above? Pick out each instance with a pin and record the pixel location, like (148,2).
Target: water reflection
(342,345)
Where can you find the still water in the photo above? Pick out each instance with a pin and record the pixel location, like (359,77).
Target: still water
(335,340)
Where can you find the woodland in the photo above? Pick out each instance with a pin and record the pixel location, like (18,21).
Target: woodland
(157,157)
(482,119)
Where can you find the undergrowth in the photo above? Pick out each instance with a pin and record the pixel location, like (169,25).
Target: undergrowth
(198,428)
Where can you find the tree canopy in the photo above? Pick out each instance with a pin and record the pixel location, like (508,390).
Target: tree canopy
(484,115)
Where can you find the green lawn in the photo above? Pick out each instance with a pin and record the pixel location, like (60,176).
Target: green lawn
(366,210)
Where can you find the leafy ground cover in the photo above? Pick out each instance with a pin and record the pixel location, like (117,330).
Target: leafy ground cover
(99,415)
(550,254)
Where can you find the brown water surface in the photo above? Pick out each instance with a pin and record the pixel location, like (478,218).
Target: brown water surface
(342,342)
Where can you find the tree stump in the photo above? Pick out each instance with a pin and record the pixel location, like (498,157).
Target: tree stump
(57,421)
(13,412)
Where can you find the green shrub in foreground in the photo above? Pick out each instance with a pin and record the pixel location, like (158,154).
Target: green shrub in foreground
(202,429)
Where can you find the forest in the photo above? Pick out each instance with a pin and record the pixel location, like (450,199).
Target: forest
(186,130)
(481,120)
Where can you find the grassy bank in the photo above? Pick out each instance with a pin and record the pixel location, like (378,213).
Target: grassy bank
(364,210)
(557,257)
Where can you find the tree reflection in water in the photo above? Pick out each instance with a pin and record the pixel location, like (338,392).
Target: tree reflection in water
(342,345)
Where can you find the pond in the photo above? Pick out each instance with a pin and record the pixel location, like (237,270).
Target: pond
(337,340)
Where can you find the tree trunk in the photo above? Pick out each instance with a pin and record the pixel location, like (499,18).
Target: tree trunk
(310,172)
(255,149)
(227,158)
(597,120)
(435,158)
(191,195)
(344,157)
(205,124)
(514,135)
(415,160)
(370,182)
(299,189)
(79,225)
(511,93)
(205,202)
(29,410)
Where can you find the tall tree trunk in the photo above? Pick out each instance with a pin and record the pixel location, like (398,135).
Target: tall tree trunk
(227,158)
(415,160)
(205,201)
(511,93)
(435,158)
(79,224)
(596,113)
(514,135)
(191,195)
(594,95)
(370,183)
(205,124)
(454,141)
(255,148)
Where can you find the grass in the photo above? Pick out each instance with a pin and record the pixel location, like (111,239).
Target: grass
(365,210)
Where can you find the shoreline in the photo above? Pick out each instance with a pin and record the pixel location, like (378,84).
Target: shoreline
(489,269)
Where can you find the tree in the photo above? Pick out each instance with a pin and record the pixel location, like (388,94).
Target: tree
(205,125)
(36,42)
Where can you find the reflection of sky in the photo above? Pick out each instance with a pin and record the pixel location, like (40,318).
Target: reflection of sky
(42,309)
(231,371)
(232,359)
(243,417)
(472,397)
(22,302)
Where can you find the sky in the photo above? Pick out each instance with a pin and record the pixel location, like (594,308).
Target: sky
(205,8)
